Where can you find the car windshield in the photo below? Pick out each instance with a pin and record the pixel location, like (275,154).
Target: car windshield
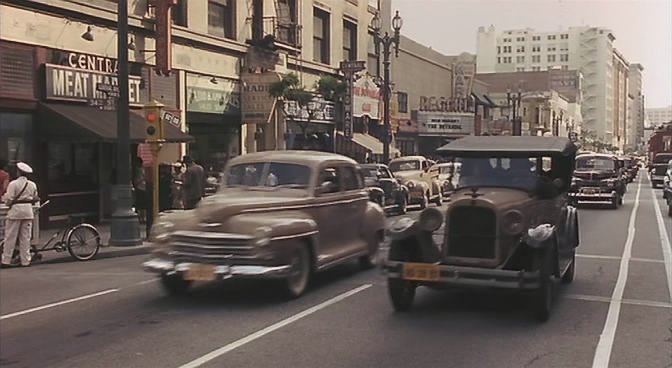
(445,169)
(267,174)
(518,173)
(406,165)
(594,163)
(661,159)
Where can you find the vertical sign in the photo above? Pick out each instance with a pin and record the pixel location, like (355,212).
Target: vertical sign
(164,45)
(349,68)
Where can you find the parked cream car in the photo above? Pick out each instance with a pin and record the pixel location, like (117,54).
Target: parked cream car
(420,176)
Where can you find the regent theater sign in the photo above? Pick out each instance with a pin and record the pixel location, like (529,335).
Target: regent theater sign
(81,77)
(445,104)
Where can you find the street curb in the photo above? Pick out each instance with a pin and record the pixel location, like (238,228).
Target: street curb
(106,252)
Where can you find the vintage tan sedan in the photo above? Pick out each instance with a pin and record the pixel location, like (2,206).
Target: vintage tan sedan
(278,215)
(420,176)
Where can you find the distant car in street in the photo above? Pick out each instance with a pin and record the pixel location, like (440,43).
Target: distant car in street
(419,175)
(598,178)
(659,167)
(281,215)
(508,225)
(385,189)
(448,178)
(667,188)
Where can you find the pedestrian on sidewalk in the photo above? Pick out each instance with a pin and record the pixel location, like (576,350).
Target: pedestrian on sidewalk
(20,196)
(194,183)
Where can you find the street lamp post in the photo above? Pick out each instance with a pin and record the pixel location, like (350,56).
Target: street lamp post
(386,41)
(124,226)
(514,102)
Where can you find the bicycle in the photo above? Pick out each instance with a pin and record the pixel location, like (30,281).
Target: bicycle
(74,237)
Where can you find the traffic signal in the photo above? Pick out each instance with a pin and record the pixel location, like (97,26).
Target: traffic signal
(153,122)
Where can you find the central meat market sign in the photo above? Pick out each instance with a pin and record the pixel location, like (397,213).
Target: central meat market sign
(74,84)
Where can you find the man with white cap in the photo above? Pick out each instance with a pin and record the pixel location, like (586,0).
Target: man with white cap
(20,196)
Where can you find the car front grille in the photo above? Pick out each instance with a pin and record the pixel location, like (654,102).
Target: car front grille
(210,247)
(472,233)
(660,170)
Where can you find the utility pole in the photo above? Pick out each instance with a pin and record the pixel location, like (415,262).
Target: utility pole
(124,226)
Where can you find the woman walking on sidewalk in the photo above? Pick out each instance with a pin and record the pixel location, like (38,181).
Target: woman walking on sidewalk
(20,196)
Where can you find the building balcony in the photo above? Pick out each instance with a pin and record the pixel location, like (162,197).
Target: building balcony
(285,34)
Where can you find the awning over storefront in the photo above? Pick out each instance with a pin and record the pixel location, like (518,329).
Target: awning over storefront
(370,144)
(78,122)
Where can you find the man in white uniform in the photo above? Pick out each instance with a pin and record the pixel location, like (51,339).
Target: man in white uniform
(20,196)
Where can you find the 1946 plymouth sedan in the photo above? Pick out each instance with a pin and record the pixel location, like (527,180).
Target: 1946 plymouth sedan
(508,225)
(279,215)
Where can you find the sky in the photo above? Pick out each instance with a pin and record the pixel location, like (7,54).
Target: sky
(643,28)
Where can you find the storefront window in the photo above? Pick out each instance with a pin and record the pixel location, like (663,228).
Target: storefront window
(16,136)
(72,167)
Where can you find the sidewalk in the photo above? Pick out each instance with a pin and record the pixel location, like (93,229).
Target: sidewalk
(106,250)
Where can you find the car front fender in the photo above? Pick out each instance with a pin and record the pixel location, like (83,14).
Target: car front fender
(409,243)
(283,225)
(540,237)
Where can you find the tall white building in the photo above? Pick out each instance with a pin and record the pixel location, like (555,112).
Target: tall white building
(636,115)
(659,115)
(587,49)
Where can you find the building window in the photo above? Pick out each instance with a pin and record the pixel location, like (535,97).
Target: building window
(320,36)
(536,68)
(565,67)
(520,49)
(221,18)
(520,39)
(551,37)
(372,55)
(286,28)
(551,48)
(499,60)
(536,38)
(520,69)
(536,58)
(499,49)
(564,57)
(551,58)
(520,59)
(402,101)
(564,36)
(507,49)
(179,13)
(536,48)
(349,40)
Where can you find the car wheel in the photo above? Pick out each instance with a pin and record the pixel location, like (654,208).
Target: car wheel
(568,276)
(614,202)
(620,200)
(175,285)
(297,282)
(669,209)
(542,298)
(401,293)
(425,201)
(439,199)
(402,205)
(371,259)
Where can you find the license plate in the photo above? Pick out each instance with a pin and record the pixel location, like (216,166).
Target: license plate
(420,272)
(589,191)
(200,272)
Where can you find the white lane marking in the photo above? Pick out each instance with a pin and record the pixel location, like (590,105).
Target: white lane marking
(278,325)
(664,243)
(604,299)
(51,305)
(606,342)
(616,258)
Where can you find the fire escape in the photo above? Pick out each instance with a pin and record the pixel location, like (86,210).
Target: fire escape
(281,31)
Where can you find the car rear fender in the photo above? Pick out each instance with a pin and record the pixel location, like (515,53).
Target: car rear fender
(374,218)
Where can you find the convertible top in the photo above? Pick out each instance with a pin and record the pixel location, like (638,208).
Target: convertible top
(509,145)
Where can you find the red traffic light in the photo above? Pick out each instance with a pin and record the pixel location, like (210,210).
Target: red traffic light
(151,117)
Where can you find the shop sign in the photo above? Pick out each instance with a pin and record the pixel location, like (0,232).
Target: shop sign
(81,61)
(206,97)
(445,104)
(318,110)
(365,98)
(256,102)
(75,84)
(445,123)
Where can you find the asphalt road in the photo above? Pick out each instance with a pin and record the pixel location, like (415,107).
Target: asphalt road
(108,313)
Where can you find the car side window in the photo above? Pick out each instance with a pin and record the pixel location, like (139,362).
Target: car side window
(329,181)
(350,178)
(425,164)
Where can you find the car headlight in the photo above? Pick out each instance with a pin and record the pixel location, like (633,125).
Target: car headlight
(410,184)
(430,219)
(262,236)
(512,222)
(161,231)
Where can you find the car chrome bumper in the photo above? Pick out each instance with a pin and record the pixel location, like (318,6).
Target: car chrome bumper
(222,272)
(592,196)
(472,276)
(657,178)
